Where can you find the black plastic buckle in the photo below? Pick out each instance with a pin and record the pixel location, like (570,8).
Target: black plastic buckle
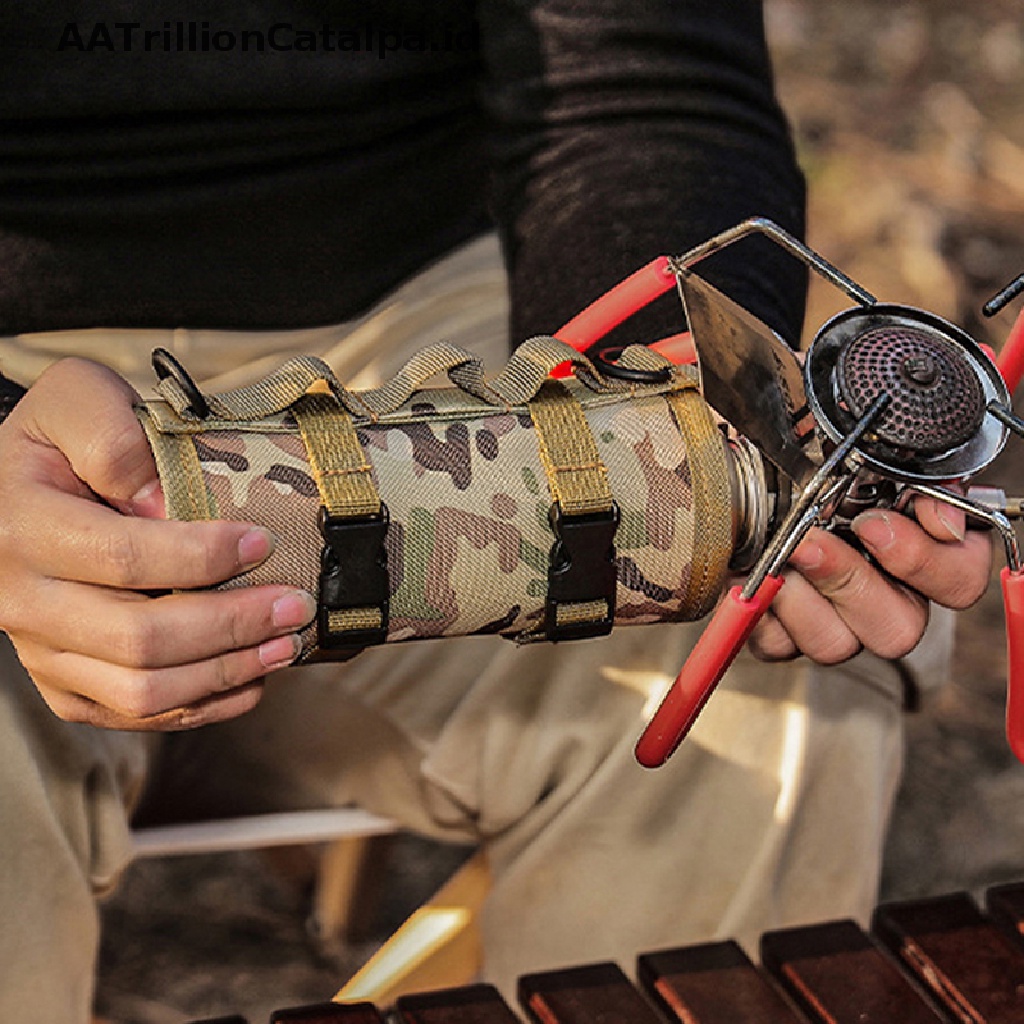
(581,568)
(353,574)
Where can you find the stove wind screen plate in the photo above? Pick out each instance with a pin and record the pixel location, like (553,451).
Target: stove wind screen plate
(751,377)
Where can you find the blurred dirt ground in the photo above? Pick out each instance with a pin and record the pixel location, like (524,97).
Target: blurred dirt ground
(910,122)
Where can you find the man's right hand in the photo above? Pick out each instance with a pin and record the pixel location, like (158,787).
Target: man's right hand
(87,558)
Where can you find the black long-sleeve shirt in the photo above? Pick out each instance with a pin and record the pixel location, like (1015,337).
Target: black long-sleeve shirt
(158,168)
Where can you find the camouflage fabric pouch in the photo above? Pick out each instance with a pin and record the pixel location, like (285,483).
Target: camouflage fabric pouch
(518,504)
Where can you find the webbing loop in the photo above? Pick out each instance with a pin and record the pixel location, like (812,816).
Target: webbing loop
(712,496)
(354,586)
(518,383)
(582,577)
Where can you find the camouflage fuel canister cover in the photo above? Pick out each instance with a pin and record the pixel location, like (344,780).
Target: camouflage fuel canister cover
(467,474)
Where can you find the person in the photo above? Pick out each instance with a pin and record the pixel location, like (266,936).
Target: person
(356,182)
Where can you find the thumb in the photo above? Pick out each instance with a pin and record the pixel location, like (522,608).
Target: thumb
(86,412)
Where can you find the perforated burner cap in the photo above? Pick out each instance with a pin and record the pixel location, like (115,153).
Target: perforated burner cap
(937,402)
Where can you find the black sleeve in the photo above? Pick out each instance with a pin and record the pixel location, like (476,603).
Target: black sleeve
(629,129)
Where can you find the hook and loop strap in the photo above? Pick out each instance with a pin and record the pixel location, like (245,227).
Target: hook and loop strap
(712,499)
(584,517)
(354,586)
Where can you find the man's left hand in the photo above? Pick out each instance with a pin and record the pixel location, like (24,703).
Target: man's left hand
(835,603)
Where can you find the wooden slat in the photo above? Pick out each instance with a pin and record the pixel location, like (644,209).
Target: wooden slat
(971,965)
(1005,905)
(474,1004)
(328,1013)
(438,947)
(715,983)
(963,957)
(584,995)
(837,975)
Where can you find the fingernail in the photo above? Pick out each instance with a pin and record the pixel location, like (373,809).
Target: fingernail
(808,555)
(140,502)
(293,609)
(874,529)
(946,518)
(145,491)
(255,546)
(280,651)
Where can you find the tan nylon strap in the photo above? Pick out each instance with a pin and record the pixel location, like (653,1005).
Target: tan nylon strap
(185,492)
(532,362)
(577,478)
(576,475)
(427,363)
(712,499)
(344,479)
(524,373)
(518,383)
(342,473)
(571,613)
(346,620)
(274,393)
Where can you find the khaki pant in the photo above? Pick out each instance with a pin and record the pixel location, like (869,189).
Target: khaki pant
(771,813)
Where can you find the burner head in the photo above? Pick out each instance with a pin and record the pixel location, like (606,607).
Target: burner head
(939,380)
(937,401)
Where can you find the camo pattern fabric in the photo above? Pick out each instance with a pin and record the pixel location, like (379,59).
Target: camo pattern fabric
(469,538)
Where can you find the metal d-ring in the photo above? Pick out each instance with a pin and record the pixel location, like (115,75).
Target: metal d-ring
(166,365)
(604,360)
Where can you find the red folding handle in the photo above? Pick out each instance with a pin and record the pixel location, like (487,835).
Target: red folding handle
(1011,365)
(729,629)
(1011,356)
(616,306)
(1013,602)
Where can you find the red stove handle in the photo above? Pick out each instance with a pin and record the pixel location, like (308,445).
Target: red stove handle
(729,629)
(1011,365)
(1013,602)
(1011,355)
(617,305)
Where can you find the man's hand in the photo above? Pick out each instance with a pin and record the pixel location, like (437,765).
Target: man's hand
(84,545)
(835,603)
